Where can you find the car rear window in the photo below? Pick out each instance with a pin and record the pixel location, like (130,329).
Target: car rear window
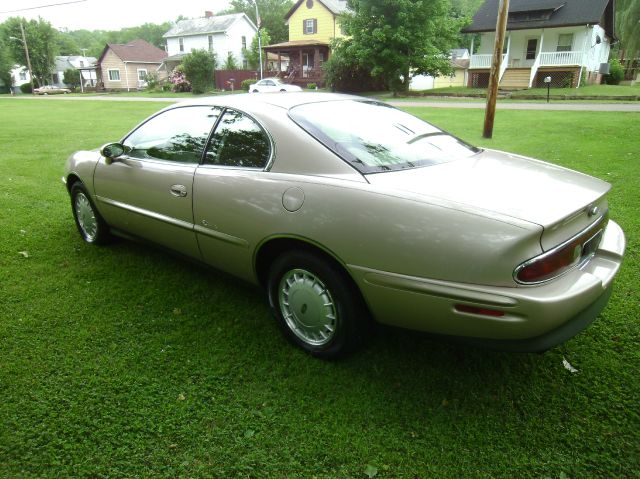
(374,137)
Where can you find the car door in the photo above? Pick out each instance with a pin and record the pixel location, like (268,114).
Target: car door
(148,191)
(231,193)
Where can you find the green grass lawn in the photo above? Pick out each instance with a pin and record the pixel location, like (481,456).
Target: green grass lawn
(125,361)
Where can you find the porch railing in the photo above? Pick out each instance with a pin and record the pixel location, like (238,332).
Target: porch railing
(484,61)
(480,61)
(549,59)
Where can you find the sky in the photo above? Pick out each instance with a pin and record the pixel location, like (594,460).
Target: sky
(108,14)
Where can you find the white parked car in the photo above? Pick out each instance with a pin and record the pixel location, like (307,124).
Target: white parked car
(268,85)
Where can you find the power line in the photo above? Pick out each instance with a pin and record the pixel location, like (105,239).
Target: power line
(43,6)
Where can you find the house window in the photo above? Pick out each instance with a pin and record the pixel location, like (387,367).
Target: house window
(142,74)
(244,42)
(181,41)
(532,48)
(114,75)
(210,43)
(310,26)
(23,75)
(565,42)
(81,64)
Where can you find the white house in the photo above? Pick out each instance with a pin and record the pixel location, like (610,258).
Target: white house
(567,40)
(19,76)
(86,66)
(222,35)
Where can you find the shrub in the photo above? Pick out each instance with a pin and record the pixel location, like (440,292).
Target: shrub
(198,67)
(71,77)
(344,73)
(616,73)
(246,84)
(312,86)
(152,80)
(178,81)
(26,88)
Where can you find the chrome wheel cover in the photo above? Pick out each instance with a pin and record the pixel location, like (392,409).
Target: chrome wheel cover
(307,307)
(86,217)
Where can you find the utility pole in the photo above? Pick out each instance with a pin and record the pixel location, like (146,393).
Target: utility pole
(255,2)
(26,52)
(494,76)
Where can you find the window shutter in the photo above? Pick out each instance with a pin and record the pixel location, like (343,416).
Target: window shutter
(315,25)
(304,27)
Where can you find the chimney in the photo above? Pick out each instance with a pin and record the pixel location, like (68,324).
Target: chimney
(208,14)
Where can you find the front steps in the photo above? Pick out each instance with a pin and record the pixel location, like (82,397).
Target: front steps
(515,79)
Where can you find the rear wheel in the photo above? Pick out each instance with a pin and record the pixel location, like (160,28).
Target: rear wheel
(255,91)
(91,226)
(316,304)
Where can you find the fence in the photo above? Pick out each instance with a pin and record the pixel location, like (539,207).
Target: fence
(232,79)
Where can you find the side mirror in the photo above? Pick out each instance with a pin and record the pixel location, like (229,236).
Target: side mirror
(112,151)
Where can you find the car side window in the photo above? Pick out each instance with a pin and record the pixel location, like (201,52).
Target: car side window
(238,141)
(270,83)
(178,135)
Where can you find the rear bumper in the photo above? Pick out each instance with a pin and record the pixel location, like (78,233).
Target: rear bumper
(535,318)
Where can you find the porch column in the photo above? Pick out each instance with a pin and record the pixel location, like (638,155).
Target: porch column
(541,41)
(300,64)
(279,63)
(473,42)
(316,57)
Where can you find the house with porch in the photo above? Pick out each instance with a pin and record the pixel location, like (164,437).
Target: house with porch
(567,40)
(312,26)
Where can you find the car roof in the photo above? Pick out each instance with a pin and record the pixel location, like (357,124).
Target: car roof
(286,100)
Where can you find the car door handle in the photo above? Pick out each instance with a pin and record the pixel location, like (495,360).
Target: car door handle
(178,190)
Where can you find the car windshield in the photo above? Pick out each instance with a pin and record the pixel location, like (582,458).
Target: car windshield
(375,137)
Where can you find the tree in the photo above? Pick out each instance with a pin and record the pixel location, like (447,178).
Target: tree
(628,26)
(199,66)
(397,39)
(71,77)
(230,63)
(42,42)
(252,55)
(271,12)
(6,65)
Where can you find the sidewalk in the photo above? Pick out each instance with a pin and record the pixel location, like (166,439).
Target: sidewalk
(556,106)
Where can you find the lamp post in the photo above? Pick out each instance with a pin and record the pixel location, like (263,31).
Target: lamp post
(255,2)
(26,53)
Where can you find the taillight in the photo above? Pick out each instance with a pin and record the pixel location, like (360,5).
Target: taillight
(562,258)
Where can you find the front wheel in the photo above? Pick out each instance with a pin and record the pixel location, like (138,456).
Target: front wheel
(255,91)
(316,304)
(91,226)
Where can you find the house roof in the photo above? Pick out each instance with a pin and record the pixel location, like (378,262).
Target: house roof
(135,51)
(64,62)
(295,44)
(530,14)
(204,26)
(334,6)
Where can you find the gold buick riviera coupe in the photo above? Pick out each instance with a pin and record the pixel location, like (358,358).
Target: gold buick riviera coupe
(347,210)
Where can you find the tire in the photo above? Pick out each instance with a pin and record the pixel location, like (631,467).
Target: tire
(316,304)
(283,90)
(91,226)
(255,91)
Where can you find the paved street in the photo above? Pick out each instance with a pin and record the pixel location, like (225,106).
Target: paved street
(567,105)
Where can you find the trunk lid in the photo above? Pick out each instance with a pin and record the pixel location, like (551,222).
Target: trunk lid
(558,199)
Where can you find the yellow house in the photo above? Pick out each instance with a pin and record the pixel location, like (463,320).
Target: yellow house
(313,24)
